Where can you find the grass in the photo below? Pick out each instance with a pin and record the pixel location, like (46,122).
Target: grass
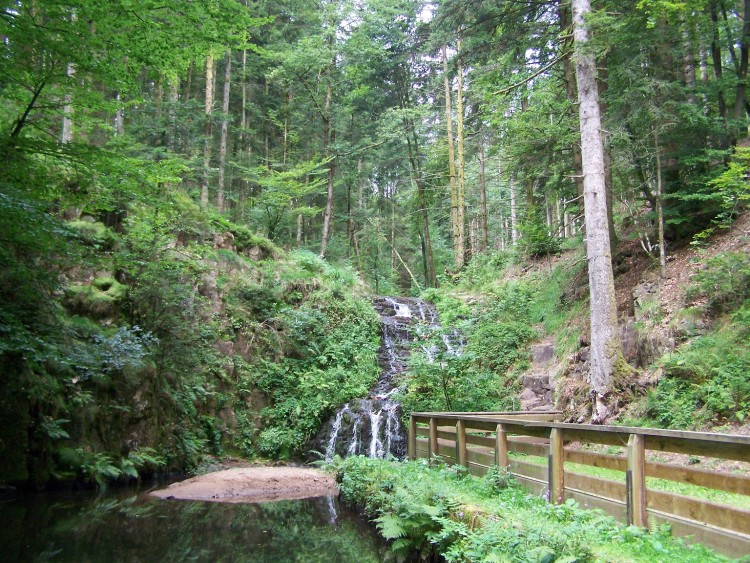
(426,511)
(665,485)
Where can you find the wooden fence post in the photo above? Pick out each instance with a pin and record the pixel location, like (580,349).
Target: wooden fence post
(636,496)
(556,466)
(433,438)
(412,439)
(461,443)
(501,447)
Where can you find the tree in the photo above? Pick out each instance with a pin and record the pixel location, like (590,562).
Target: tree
(606,349)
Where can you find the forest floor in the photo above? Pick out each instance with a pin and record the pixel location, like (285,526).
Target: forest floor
(253,484)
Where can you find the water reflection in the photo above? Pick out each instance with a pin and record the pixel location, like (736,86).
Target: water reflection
(86,528)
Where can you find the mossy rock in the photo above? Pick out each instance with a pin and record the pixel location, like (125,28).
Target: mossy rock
(99,300)
(94,233)
(248,243)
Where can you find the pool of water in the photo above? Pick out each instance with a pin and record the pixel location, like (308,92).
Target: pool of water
(126,526)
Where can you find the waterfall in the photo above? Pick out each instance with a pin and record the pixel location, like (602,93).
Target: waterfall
(371,426)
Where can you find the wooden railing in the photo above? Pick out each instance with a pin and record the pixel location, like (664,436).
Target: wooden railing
(479,441)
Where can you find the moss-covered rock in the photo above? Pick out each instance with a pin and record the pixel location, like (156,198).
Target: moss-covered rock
(94,233)
(99,300)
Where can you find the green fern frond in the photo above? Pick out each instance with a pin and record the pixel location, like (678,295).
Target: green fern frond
(391,526)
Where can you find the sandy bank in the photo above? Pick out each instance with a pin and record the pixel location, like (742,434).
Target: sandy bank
(253,484)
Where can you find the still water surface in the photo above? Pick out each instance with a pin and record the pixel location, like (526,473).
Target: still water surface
(129,527)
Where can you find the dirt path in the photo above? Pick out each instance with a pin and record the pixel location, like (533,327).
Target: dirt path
(253,484)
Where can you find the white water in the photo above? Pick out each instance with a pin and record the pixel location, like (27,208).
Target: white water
(372,425)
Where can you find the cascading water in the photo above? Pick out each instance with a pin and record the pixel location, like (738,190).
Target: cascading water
(372,426)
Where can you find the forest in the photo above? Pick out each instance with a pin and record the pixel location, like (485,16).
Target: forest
(200,200)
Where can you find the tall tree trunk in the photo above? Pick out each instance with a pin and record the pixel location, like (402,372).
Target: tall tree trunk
(741,107)
(174,98)
(208,129)
(660,209)
(457,248)
(688,60)
(606,349)
(718,72)
(67,126)
(513,210)
(119,117)
(482,195)
(224,133)
(329,137)
(461,191)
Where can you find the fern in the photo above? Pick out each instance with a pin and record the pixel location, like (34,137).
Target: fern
(391,526)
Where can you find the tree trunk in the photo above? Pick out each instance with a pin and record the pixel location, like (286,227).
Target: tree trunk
(174,99)
(741,108)
(718,71)
(606,349)
(461,192)
(457,248)
(224,133)
(119,117)
(660,209)
(482,196)
(67,126)
(329,136)
(513,211)
(208,129)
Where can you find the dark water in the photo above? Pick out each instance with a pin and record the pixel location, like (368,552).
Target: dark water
(124,526)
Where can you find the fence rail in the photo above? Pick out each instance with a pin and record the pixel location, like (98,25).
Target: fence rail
(479,441)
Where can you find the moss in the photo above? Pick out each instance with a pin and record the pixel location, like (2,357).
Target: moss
(248,242)
(99,300)
(94,233)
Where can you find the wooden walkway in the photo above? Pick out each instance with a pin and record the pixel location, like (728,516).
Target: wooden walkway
(479,441)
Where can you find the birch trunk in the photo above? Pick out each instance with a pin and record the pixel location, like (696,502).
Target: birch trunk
(606,349)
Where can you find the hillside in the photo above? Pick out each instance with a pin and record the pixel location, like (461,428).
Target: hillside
(155,342)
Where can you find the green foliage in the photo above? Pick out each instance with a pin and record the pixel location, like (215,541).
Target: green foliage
(731,188)
(438,511)
(704,382)
(723,283)
(485,269)
(535,238)
(329,357)
(472,365)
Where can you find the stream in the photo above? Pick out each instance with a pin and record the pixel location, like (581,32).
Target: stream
(124,526)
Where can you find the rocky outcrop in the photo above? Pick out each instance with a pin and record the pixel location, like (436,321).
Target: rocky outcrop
(537,387)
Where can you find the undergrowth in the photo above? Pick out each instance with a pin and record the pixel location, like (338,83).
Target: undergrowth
(427,511)
(705,380)
(475,361)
